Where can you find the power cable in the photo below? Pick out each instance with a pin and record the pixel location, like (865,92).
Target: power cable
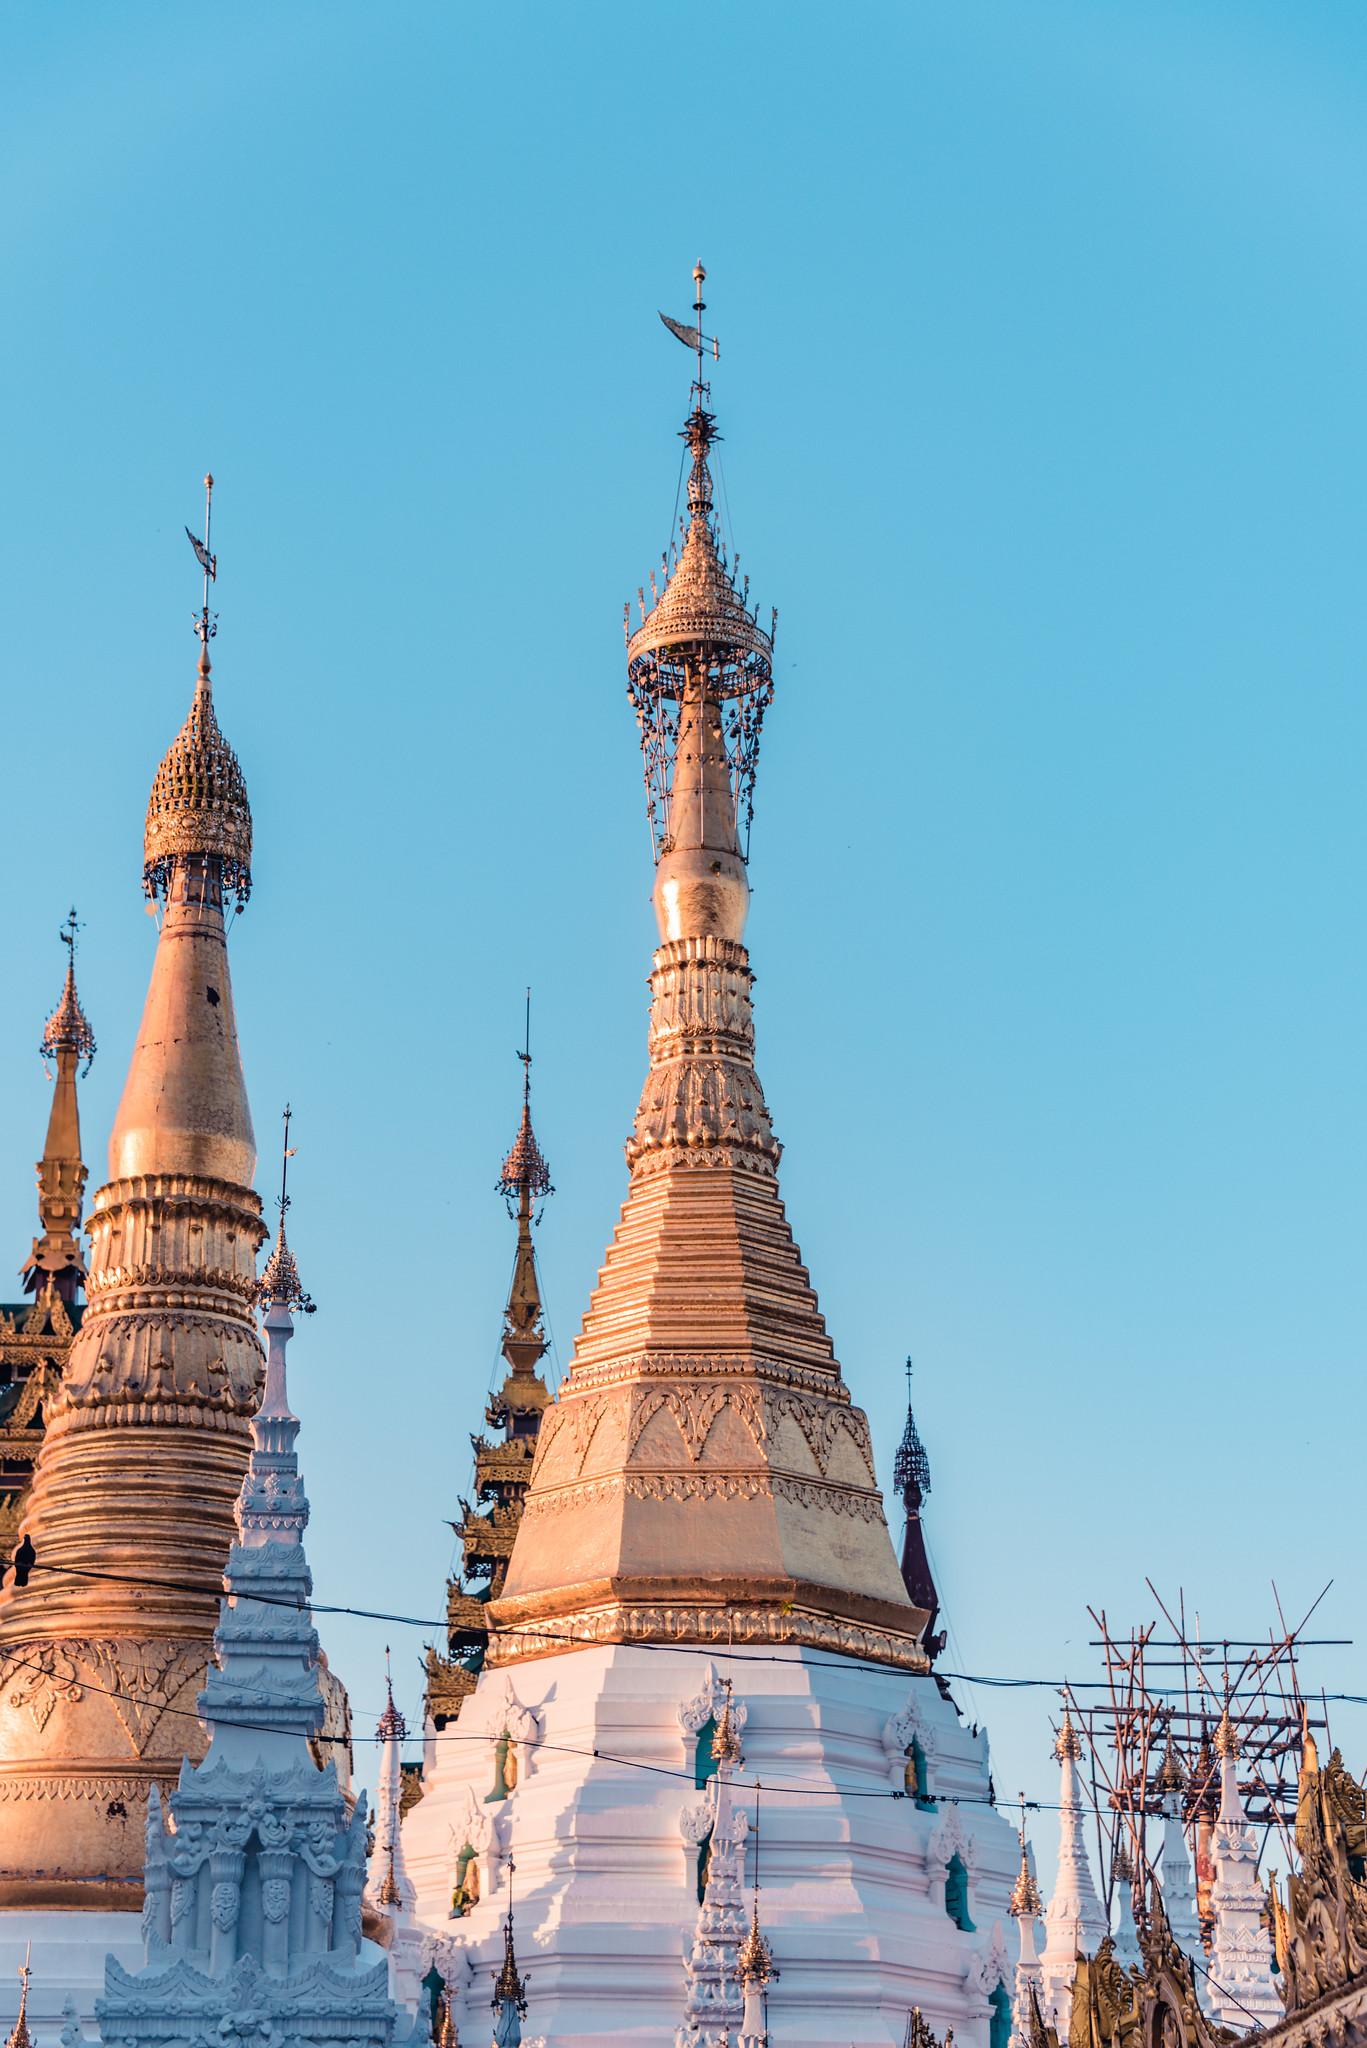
(542,1634)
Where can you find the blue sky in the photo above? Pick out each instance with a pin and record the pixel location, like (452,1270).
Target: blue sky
(1044,408)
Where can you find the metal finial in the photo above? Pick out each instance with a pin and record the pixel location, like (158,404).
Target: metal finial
(391,1726)
(525,1172)
(206,622)
(526,1053)
(68,1028)
(911,1467)
(280,1286)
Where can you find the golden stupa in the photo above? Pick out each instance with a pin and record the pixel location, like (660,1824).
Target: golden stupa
(703,1475)
(103,1650)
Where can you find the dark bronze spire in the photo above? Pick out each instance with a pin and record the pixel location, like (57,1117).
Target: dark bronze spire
(911,1478)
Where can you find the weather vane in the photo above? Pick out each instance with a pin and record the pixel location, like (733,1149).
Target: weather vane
(206,622)
(287,1154)
(693,337)
(526,1053)
(67,933)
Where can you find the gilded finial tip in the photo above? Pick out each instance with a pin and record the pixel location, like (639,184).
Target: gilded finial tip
(699,274)
(208,483)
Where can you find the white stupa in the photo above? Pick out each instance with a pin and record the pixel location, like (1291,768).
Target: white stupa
(1240,1986)
(704,1507)
(252,1915)
(1075,1922)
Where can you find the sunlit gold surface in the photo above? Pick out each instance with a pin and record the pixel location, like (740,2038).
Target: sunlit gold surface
(702,1476)
(131,1509)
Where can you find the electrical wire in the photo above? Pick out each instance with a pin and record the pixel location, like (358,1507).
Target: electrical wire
(541,1634)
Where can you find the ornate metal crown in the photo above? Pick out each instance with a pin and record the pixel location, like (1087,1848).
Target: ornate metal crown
(199,803)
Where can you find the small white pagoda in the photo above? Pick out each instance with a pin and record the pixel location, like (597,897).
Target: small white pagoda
(252,1914)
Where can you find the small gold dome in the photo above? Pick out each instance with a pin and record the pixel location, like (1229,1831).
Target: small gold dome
(199,802)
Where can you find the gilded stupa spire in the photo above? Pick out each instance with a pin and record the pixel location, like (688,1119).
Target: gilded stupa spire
(19,2035)
(68,1043)
(503,1461)
(703,1371)
(131,1512)
(755,1965)
(509,2001)
(524,1182)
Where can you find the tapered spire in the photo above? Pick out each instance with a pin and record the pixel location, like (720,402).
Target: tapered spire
(388,1880)
(509,2001)
(253,1894)
(702,1469)
(68,1043)
(1025,1906)
(19,2035)
(524,1182)
(131,1510)
(1075,1922)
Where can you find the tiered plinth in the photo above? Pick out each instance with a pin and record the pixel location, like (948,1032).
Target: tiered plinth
(606,1852)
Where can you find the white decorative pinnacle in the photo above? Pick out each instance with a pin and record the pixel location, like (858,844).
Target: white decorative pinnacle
(1174,1870)
(1025,1907)
(714,2006)
(1127,1951)
(252,1914)
(1075,1921)
(388,1884)
(1242,1993)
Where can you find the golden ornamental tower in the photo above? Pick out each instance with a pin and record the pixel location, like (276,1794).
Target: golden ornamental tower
(103,1648)
(69,1043)
(35,1337)
(703,1475)
(503,1460)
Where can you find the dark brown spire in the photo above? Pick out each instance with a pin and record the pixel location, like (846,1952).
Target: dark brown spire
(911,1478)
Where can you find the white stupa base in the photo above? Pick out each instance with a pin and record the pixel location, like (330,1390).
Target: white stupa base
(853,1895)
(69,1952)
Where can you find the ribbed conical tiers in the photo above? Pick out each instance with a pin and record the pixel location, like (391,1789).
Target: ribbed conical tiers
(102,1654)
(703,1475)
